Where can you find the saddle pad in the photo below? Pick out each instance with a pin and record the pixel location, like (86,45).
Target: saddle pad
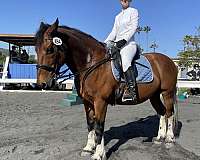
(143,71)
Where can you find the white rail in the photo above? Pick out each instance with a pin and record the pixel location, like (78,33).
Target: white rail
(188,84)
(28,81)
(180,84)
(5,69)
(17,80)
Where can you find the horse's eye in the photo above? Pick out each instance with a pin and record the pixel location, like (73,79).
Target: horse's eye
(50,50)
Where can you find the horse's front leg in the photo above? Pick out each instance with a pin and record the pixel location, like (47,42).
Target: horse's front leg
(90,146)
(100,114)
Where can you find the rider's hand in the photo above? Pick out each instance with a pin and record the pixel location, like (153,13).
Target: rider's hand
(121,43)
(110,44)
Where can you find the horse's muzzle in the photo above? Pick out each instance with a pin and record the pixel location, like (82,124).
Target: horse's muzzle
(50,84)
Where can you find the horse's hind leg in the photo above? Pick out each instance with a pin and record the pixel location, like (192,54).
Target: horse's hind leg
(161,110)
(168,98)
(90,146)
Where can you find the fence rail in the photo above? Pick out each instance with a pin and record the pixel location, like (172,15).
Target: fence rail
(188,84)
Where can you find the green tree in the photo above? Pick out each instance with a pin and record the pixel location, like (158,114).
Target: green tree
(2,58)
(191,50)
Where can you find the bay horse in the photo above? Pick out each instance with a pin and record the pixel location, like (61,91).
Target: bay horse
(88,60)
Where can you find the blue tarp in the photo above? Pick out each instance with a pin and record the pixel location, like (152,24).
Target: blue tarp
(26,71)
(22,71)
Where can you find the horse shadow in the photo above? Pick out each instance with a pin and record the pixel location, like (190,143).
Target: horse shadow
(145,127)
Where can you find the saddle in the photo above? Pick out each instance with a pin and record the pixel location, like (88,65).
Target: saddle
(116,58)
(142,69)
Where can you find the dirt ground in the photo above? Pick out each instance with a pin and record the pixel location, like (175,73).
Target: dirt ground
(37,126)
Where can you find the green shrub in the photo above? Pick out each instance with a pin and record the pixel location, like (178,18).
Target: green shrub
(182,90)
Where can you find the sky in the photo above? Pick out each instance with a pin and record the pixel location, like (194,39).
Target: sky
(170,20)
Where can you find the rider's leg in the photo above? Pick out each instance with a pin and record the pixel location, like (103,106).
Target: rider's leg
(127,54)
(131,82)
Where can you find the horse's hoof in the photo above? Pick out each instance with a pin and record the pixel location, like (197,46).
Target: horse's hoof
(85,153)
(169,142)
(169,145)
(103,157)
(158,141)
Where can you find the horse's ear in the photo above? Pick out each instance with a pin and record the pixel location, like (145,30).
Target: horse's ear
(42,25)
(52,28)
(57,21)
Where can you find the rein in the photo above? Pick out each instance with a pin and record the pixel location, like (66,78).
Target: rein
(46,67)
(70,75)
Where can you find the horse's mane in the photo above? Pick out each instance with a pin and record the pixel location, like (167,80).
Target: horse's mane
(82,35)
(78,32)
(43,27)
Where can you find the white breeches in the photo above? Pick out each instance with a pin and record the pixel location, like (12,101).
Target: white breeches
(127,53)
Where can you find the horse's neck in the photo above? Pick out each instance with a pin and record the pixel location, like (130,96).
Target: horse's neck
(84,55)
(78,59)
(82,50)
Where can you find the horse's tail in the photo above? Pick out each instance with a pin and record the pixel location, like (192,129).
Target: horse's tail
(175,113)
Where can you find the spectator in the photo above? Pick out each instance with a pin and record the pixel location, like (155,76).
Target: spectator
(13,52)
(24,56)
(195,73)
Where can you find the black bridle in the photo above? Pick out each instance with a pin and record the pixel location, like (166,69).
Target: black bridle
(46,67)
(54,70)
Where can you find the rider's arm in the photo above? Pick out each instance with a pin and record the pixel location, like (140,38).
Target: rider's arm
(113,33)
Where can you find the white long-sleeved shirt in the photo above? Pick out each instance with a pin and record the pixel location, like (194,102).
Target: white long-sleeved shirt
(125,26)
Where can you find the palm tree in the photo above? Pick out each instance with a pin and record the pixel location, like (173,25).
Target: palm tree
(191,48)
(139,30)
(147,29)
(154,46)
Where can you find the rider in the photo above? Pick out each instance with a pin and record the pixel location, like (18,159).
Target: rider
(125,26)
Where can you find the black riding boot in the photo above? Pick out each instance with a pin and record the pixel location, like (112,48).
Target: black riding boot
(131,82)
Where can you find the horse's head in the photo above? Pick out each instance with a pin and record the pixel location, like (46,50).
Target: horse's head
(50,54)
(56,45)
